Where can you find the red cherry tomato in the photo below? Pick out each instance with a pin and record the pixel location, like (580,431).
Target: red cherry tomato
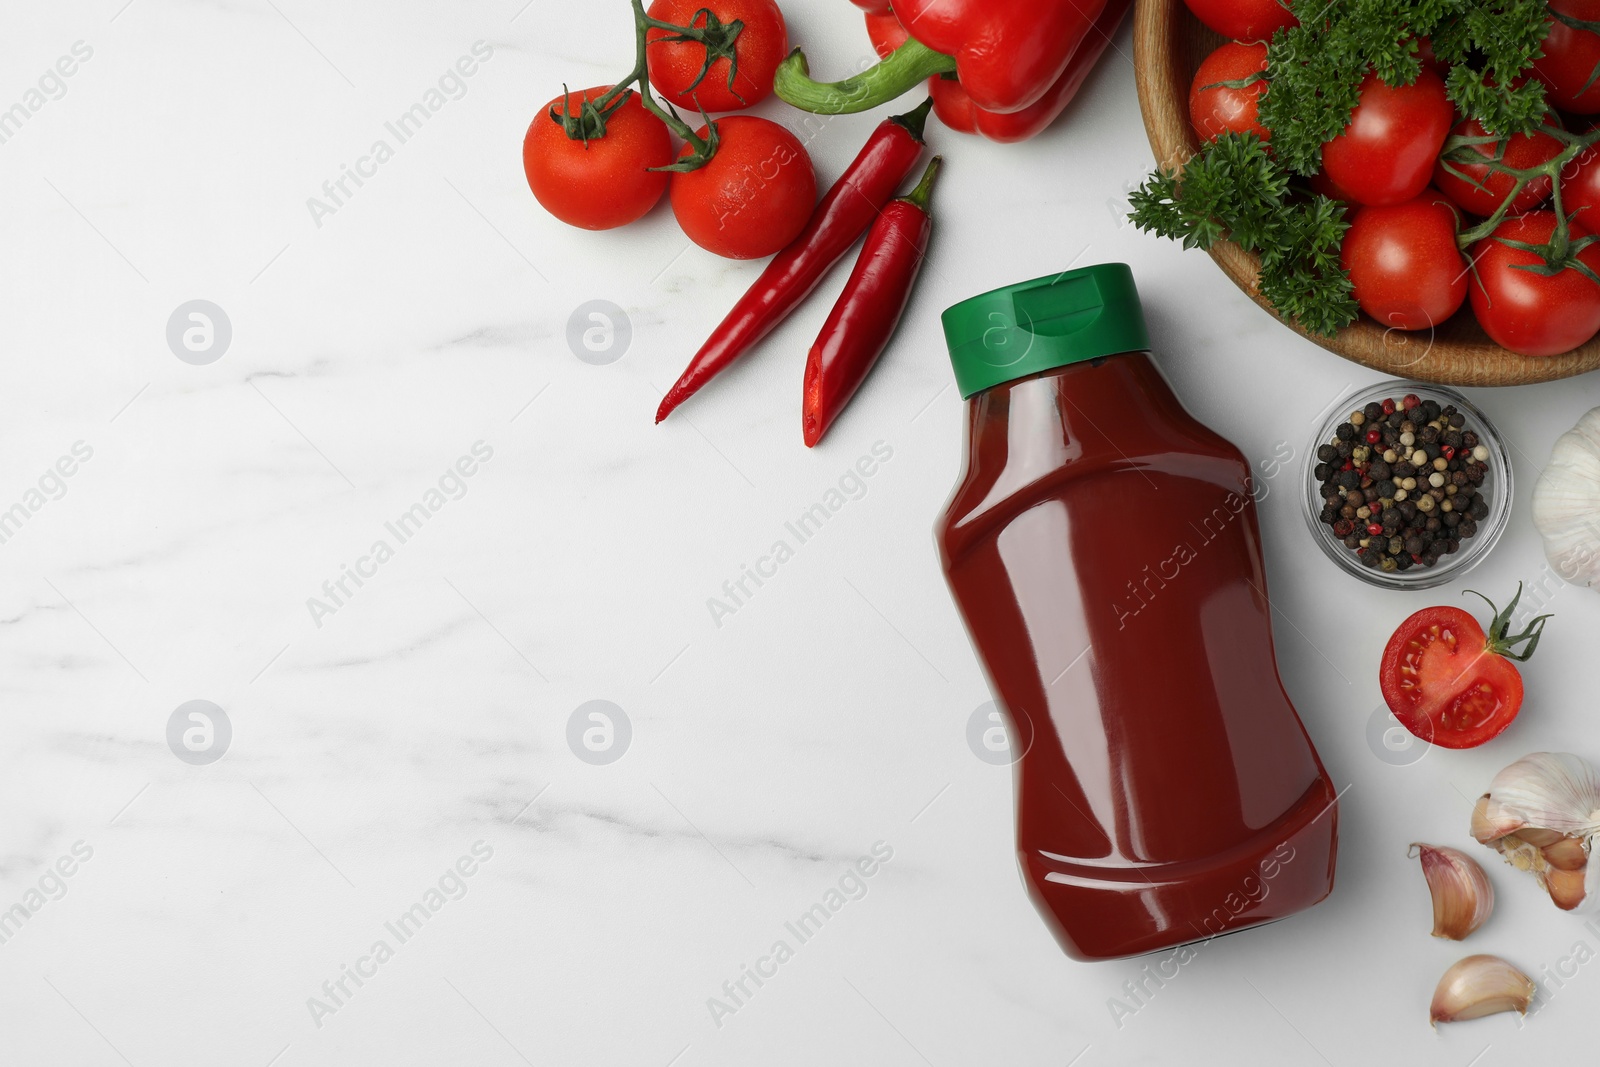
(1571,57)
(1386,154)
(1243,20)
(759,48)
(1449,683)
(604,183)
(1476,188)
(754,197)
(1225,94)
(1580,189)
(1428,59)
(1531,313)
(1404,263)
(1321,183)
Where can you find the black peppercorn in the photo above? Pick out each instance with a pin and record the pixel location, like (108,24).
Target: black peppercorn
(1359,504)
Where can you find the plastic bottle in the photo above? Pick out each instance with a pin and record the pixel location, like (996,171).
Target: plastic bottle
(1103,549)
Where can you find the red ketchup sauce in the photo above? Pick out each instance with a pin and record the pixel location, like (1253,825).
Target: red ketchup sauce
(1103,550)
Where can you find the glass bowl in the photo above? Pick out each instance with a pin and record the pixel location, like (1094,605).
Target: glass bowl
(1496,489)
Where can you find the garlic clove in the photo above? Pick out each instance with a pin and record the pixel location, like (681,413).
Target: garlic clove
(1542,815)
(1566,853)
(1477,986)
(1462,895)
(1566,887)
(1540,838)
(1483,831)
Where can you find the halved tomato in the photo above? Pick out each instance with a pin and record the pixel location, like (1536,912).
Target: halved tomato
(1451,684)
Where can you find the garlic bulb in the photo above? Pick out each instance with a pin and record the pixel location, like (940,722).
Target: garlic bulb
(1462,895)
(1543,813)
(1566,503)
(1477,986)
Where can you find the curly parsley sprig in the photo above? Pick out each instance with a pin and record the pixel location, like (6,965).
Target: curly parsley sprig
(1238,191)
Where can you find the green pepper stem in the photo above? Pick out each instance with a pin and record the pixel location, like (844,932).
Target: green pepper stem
(905,67)
(918,197)
(915,120)
(1551,169)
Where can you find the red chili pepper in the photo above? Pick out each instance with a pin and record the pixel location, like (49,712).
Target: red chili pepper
(844,214)
(1010,55)
(869,309)
(953,104)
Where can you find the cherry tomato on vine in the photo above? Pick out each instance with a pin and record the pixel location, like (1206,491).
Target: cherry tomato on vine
(1428,59)
(759,48)
(1404,263)
(1479,188)
(1451,684)
(1386,154)
(1571,58)
(1529,312)
(605,182)
(1326,186)
(1243,20)
(754,197)
(1225,94)
(1580,189)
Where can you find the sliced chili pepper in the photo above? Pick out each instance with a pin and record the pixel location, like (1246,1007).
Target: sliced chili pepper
(844,214)
(869,309)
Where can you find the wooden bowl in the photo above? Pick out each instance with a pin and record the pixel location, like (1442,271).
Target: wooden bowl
(1168,46)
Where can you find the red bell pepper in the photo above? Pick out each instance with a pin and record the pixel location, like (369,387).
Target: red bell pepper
(868,310)
(1009,56)
(954,105)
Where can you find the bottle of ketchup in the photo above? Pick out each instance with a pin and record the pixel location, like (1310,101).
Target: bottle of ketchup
(1103,550)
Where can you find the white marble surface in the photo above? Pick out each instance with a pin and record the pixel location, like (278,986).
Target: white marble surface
(429,711)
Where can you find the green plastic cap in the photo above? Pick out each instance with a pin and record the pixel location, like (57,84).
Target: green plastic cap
(1045,323)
